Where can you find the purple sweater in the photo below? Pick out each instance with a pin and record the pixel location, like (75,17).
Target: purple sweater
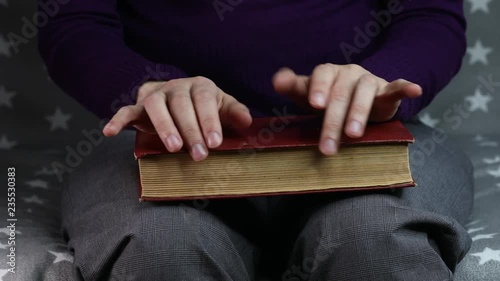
(101,51)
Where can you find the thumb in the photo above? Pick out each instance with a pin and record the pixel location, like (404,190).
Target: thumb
(397,90)
(285,81)
(233,113)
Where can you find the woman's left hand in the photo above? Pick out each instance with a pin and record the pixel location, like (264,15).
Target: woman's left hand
(349,95)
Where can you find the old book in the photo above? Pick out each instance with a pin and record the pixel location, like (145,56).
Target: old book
(277,155)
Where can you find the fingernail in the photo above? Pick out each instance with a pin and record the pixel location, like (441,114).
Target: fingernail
(108,127)
(214,139)
(329,146)
(173,142)
(198,152)
(355,128)
(319,99)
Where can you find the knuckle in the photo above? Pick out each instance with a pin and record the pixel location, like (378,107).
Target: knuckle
(354,67)
(204,81)
(179,99)
(190,132)
(125,111)
(151,100)
(332,127)
(367,79)
(209,122)
(325,67)
(166,129)
(360,109)
(401,80)
(340,96)
(174,83)
(203,95)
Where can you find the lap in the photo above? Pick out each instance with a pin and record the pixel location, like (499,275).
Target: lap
(112,233)
(101,206)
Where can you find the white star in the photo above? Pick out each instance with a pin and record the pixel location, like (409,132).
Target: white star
(487,255)
(478,101)
(428,120)
(3,246)
(478,138)
(2,273)
(483,236)
(6,231)
(472,222)
(58,120)
(45,172)
(495,173)
(5,97)
(479,53)
(61,257)
(4,46)
(4,3)
(475,230)
(33,199)
(489,143)
(5,144)
(38,183)
(492,160)
(479,5)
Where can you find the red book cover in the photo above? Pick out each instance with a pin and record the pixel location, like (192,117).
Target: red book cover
(277,132)
(281,132)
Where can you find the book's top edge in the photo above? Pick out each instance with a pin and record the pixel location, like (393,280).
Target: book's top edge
(280,132)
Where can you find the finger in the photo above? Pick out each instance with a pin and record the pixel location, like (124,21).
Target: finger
(233,113)
(335,114)
(285,81)
(398,90)
(182,111)
(122,118)
(322,79)
(361,105)
(155,105)
(204,95)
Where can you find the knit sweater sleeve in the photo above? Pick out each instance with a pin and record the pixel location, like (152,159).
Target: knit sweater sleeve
(424,42)
(84,49)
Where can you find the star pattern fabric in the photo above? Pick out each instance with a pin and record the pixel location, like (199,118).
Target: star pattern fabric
(478,101)
(37,183)
(479,5)
(488,255)
(61,256)
(6,144)
(479,53)
(6,97)
(5,47)
(428,120)
(47,121)
(58,120)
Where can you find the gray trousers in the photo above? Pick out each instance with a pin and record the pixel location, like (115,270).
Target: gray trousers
(403,234)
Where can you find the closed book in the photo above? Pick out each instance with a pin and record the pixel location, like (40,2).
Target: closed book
(276,155)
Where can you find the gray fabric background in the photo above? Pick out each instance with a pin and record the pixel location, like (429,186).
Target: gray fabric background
(38,123)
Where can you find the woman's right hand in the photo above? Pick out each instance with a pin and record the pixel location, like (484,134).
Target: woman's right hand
(186,112)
